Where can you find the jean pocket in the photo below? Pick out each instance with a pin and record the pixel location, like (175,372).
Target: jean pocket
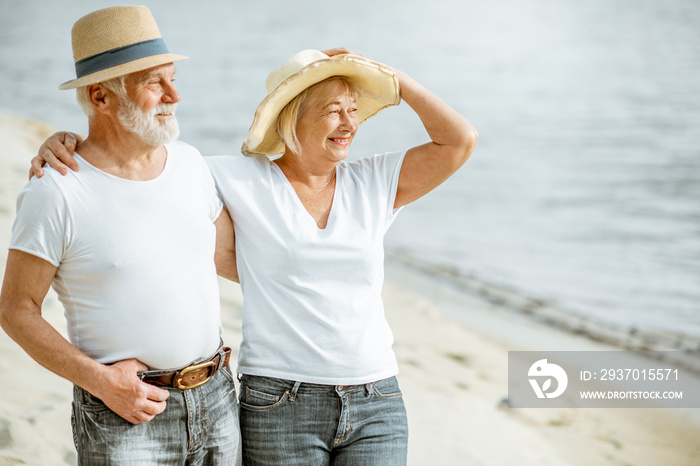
(387,388)
(227,373)
(74,425)
(258,400)
(92,404)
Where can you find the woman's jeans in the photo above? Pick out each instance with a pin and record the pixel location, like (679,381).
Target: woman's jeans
(291,423)
(198,427)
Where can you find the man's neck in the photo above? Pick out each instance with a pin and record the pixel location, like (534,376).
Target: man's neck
(121,153)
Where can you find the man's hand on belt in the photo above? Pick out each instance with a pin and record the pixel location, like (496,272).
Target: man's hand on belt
(121,389)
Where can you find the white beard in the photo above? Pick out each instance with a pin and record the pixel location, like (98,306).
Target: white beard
(144,123)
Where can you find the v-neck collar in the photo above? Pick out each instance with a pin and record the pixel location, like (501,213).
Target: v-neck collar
(300,205)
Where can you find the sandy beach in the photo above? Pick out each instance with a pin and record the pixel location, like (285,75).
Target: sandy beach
(453,372)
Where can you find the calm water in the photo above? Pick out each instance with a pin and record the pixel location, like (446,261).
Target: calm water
(584,190)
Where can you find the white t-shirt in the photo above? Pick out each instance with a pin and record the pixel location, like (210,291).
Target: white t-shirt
(312,297)
(135,259)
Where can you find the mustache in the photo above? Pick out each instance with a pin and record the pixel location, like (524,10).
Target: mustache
(163,109)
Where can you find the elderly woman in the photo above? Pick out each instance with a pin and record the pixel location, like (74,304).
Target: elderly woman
(316,364)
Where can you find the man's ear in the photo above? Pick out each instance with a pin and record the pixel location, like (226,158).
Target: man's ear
(100,97)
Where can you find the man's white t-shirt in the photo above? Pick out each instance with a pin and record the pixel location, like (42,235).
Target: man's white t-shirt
(135,259)
(312,307)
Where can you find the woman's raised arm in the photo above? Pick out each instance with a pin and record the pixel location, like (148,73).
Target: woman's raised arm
(453,139)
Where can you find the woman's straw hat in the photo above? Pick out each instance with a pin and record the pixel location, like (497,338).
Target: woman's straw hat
(377,85)
(116,41)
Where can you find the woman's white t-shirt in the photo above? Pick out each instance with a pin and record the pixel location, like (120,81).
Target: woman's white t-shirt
(312,297)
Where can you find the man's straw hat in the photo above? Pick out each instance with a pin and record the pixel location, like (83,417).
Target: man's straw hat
(116,41)
(377,85)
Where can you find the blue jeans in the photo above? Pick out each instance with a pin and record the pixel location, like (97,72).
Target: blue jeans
(198,427)
(291,423)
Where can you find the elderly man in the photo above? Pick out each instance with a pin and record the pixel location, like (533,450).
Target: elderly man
(129,244)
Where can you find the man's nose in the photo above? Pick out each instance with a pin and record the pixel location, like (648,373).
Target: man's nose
(171,95)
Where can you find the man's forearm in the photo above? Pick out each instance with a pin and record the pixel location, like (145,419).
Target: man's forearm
(49,348)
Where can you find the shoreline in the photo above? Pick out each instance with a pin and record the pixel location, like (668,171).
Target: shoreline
(680,349)
(467,350)
(451,341)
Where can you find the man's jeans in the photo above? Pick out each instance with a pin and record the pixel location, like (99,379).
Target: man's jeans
(198,427)
(292,423)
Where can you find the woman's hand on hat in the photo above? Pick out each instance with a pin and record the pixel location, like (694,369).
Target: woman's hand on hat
(57,151)
(340,51)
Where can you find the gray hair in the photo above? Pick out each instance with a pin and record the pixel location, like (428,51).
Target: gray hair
(115,85)
(290,114)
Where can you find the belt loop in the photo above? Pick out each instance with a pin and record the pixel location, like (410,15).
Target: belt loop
(293,394)
(369,389)
(222,357)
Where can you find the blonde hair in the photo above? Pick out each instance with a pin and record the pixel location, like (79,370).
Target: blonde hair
(290,114)
(115,85)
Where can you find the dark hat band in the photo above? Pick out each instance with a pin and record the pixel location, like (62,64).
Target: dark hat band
(119,56)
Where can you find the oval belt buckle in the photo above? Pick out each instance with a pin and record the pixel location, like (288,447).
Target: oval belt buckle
(177,380)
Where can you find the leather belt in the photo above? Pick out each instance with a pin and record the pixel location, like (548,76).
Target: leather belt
(192,376)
